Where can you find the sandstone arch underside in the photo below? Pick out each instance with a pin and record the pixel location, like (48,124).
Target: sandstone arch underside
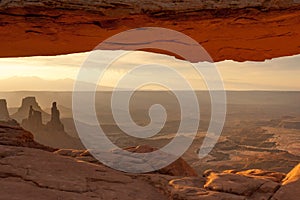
(236,30)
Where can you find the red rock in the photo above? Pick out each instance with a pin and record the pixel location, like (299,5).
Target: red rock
(254,30)
(250,187)
(177,168)
(192,189)
(258,173)
(17,136)
(290,186)
(69,152)
(40,174)
(27,173)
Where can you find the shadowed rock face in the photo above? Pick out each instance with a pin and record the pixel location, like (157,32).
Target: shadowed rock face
(55,124)
(4,116)
(24,110)
(238,30)
(17,136)
(34,120)
(28,102)
(52,134)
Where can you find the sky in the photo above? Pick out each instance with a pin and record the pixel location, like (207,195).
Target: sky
(57,73)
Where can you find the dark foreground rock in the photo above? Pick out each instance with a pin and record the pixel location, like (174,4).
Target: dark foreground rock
(17,136)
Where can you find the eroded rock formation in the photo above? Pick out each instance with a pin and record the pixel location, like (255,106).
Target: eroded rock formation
(238,30)
(52,134)
(34,120)
(26,105)
(5,119)
(4,115)
(55,124)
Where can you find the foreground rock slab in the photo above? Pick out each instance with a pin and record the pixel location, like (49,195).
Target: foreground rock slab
(253,188)
(43,175)
(177,168)
(32,171)
(252,184)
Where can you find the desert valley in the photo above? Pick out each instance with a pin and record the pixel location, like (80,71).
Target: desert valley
(257,135)
(149,100)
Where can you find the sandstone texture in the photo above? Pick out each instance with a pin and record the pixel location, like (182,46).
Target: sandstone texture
(38,173)
(238,30)
(148,6)
(240,185)
(177,168)
(42,175)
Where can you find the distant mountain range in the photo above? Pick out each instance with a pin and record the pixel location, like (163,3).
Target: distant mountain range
(34,83)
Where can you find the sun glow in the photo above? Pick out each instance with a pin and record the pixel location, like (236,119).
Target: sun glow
(59,72)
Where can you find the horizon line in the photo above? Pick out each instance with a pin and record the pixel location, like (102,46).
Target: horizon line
(126,90)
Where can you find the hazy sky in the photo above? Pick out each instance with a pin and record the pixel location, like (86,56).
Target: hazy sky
(59,72)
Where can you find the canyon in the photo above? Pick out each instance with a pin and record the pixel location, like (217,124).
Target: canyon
(257,156)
